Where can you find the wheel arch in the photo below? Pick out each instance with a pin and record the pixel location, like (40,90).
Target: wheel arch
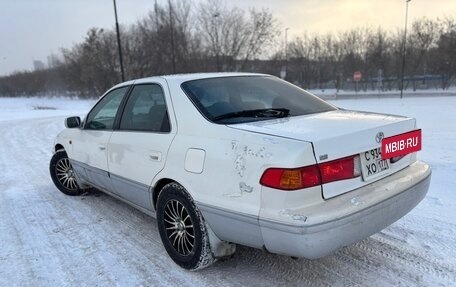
(58,147)
(158,188)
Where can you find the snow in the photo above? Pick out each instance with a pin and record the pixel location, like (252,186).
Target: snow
(49,239)
(30,108)
(332,94)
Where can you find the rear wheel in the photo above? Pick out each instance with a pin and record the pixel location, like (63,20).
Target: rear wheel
(62,174)
(182,229)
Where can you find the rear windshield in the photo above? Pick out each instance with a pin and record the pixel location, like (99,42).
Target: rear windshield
(230,100)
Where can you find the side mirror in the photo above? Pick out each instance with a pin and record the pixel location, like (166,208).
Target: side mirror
(72,122)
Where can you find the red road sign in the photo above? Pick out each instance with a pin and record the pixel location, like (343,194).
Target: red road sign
(357,76)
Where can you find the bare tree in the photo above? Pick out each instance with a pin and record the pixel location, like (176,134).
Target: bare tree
(92,66)
(163,42)
(422,39)
(231,36)
(444,55)
(177,37)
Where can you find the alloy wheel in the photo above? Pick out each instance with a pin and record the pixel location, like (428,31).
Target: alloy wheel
(179,227)
(65,174)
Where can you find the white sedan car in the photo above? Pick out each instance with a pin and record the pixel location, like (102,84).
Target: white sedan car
(235,158)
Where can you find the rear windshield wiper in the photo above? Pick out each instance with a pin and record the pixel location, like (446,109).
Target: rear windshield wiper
(260,113)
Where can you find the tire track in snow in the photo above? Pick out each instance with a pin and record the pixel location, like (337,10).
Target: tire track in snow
(104,241)
(416,259)
(407,261)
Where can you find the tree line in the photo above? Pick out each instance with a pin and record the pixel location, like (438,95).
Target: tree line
(332,58)
(178,37)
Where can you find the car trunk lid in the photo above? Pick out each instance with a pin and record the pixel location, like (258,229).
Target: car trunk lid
(337,134)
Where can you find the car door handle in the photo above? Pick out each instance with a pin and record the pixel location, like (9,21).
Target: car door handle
(101,147)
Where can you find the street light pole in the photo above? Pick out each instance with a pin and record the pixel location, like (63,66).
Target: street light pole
(404,48)
(283,71)
(173,56)
(215,25)
(286,43)
(118,44)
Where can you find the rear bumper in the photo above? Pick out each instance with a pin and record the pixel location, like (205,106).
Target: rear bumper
(317,231)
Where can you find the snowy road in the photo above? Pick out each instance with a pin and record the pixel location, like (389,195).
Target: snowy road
(49,239)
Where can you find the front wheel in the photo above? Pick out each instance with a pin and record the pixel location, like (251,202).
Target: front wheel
(62,174)
(182,229)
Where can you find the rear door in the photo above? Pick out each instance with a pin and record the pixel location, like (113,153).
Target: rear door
(138,149)
(89,148)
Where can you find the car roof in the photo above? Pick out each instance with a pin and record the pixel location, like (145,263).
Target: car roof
(195,76)
(180,78)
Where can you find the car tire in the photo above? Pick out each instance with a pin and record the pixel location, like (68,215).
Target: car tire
(182,229)
(62,174)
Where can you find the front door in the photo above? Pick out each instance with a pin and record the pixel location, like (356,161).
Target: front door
(138,149)
(89,148)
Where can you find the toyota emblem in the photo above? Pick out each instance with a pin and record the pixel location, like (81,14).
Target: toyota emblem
(379,137)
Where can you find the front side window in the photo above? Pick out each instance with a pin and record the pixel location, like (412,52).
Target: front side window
(230,100)
(146,110)
(102,116)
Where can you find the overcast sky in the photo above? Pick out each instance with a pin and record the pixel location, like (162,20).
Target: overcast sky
(33,29)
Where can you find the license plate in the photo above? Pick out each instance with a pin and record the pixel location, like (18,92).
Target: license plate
(372,164)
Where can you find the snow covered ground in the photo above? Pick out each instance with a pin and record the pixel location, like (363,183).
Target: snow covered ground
(49,239)
(332,94)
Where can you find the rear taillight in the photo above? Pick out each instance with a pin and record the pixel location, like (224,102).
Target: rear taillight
(308,176)
(340,169)
(291,179)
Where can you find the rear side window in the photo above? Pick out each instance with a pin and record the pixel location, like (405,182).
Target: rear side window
(102,116)
(216,97)
(146,110)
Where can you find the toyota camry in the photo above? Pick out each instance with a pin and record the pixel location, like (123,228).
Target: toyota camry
(222,159)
